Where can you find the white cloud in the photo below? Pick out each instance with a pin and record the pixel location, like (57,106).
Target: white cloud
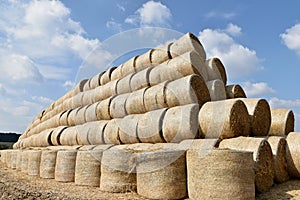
(151,14)
(257,89)
(120,7)
(42,99)
(291,38)
(280,103)
(219,14)
(68,85)
(239,60)
(2,89)
(112,24)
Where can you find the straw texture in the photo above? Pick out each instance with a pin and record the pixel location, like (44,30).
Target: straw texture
(65,166)
(34,160)
(282,122)
(292,154)
(234,91)
(47,165)
(216,90)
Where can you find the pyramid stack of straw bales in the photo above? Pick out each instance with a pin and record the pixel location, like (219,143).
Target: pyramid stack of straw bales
(164,124)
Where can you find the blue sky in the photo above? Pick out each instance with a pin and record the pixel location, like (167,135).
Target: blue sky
(43,44)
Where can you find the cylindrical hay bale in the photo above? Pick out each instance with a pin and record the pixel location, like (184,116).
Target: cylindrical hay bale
(103,109)
(181,123)
(140,79)
(292,154)
(79,87)
(187,90)
(63,120)
(282,122)
(72,116)
(160,54)
(86,86)
(43,139)
(91,112)
(205,145)
(118,174)
(19,160)
(187,42)
(24,165)
(8,158)
(135,102)
(262,156)
(68,104)
(128,67)
(216,70)
(149,128)
(260,115)
(123,85)
(128,129)
(278,146)
(106,91)
(111,132)
(14,154)
(55,136)
(69,136)
(47,165)
(34,160)
(87,169)
(117,107)
(116,74)
(95,80)
(224,119)
(80,115)
(96,132)
(82,134)
(235,91)
(106,76)
(162,174)
(220,174)
(154,97)
(88,97)
(65,166)
(216,90)
(87,147)
(143,61)
(77,100)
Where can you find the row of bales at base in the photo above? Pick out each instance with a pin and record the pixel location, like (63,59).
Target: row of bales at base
(164,124)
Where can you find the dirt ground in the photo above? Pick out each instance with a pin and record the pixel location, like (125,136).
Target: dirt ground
(16,185)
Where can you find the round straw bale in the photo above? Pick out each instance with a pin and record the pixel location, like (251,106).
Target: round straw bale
(69,136)
(128,129)
(149,128)
(262,156)
(235,91)
(140,79)
(220,174)
(162,174)
(68,104)
(72,116)
(82,134)
(278,146)
(34,160)
(91,112)
(117,107)
(128,67)
(143,61)
(181,123)
(103,147)
(87,147)
(224,119)
(43,139)
(140,147)
(187,90)
(80,115)
(65,166)
(200,144)
(96,80)
(118,174)
(63,120)
(77,100)
(164,146)
(87,168)
(96,132)
(116,74)
(88,97)
(187,42)
(216,70)
(135,102)
(24,164)
(55,136)
(282,122)
(160,54)
(8,158)
(47,165)
(19,160)
(106,76)
(86,86)
(108,90)
(111,132)
(79,87)
(99,93)
(103,109)
(216,90)
(260,115)
(292,154)
(154,97)
(61,147)
(123,85)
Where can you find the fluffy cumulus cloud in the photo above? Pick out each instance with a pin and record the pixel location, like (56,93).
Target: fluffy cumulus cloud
(257,89)
(281,103)
(238,59)
(291,38)
(151,14)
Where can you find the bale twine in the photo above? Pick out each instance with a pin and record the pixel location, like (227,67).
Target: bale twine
(34,160)
(117,107)
(216,90)
(128,129)
(76,101)
(140,79)
(116,74)
(91,112)
(224,119)
(187,90)
(160,54)
(111,132)
(86,86)
(260,116)
(65,166)
(63,120)
(262,156)
(47,165)
(88,97)
(282,122)
(123,85)
(96,80)
(103,109)
(72,116)
(292,154)
(106,76)
(149,128)
(80,115)
(118,174)
(96,132)
(87,168)
(24,164)
(235,91)
(278,146)
(19,160)
(55,136)
(162,174)
(143,61)
(128,67)
(69,136)
(181,123)
(216,70)
(187,42)
(220,174)
(154,97)
(82,134)
(135,102)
